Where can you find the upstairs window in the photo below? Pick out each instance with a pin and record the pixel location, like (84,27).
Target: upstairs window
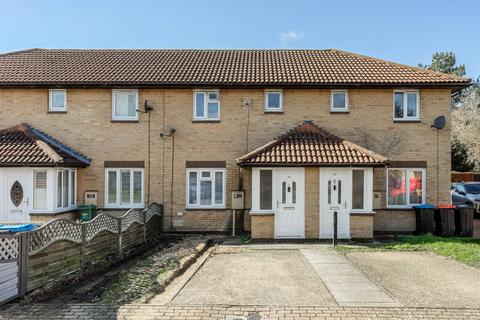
(124,105)
(339,101)
(57,100)
(406,105)
(206,105)
(273,101)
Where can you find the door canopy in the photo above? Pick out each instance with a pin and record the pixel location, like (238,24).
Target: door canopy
(309,145)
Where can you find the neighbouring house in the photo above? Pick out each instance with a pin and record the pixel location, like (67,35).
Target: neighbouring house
(302,133)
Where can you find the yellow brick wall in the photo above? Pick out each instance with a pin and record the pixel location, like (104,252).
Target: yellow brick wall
(87,127)
(312,200)
(361,226)
(263,227)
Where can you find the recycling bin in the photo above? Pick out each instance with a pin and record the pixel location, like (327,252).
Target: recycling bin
(445,220)
(464,221)
(425,218)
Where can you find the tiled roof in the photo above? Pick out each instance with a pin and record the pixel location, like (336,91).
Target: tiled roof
(309,145)
(23,145)
(210,67)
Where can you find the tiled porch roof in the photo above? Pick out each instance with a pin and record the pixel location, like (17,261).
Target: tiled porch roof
(309,145)
(23,145)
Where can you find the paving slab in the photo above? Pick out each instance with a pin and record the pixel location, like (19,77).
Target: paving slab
(346,283)
(422,279)
(266,277)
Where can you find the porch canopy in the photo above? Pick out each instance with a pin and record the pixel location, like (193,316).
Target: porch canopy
(24,146)
(309,145)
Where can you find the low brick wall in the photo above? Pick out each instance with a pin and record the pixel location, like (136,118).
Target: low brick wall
(476,228)
(394,221)
(361,226)
(263,226)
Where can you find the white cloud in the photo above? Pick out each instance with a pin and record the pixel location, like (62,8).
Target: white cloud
(289,36)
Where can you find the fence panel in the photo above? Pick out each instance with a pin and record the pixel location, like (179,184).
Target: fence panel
(9,267)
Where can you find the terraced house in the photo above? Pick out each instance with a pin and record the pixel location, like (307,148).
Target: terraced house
(302,133)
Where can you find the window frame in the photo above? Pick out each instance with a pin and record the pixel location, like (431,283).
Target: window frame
(255,209)
(205,105)
(50,100)
(35,199)
(124,118)
(335,110)
(118,184)
(405,105)
(266,94)
(212,171)
(407,187)
(72,186)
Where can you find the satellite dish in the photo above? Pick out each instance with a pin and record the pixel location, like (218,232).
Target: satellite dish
(439,122)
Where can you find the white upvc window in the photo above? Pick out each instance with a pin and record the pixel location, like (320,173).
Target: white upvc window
(406,187)
(66,188)
(40,189)
(263,195)
(406,105)
(273,100)
(124,188)
(206,188)
(362,189)
(206,105)
(339,101)
(57,100)
(125,105)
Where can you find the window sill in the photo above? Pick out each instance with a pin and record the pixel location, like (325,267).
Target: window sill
(362,213)
(205,121)
(340,111)
(125,207)
(206,209)
(124,121)
(262,213)
(273,111)
(406,120)
(397,209)
(54,111)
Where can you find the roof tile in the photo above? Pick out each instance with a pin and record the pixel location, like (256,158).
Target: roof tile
(208,67)
(309,145)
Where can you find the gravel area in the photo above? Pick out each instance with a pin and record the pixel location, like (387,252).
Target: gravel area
(422,279)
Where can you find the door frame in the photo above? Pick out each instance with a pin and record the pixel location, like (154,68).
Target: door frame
(300,200)
(25,178)
(324,173)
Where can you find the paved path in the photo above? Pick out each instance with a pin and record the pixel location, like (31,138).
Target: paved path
(102,312)
(346,283)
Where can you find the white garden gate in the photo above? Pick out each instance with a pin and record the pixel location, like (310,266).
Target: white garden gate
(13,266)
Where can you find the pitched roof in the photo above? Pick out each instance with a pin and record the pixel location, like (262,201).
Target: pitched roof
(109,67)
(309,145)
(23,145)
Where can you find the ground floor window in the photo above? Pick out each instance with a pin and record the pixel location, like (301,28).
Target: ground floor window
(405,187)
(124,188)
(66,188)
(40,190)
(206,188)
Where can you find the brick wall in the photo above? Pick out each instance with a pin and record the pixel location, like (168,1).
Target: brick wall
(394,221)
(87,127)
(263,226)
(361,226)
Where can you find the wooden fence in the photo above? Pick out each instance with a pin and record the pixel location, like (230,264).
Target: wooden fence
(63,246)
(465,176)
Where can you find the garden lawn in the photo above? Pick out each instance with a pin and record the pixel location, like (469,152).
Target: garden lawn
(466,250)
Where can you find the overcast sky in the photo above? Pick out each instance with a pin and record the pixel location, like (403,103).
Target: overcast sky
(402,31)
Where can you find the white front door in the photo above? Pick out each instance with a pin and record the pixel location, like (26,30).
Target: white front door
(18,195)
(334,196)
(289,217)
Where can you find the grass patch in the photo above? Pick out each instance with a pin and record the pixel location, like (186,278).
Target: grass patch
(465,250)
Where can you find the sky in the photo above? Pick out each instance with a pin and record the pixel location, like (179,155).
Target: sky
(404,31)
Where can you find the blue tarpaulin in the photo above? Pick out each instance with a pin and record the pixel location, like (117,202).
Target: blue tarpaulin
(18,227)
(424,206)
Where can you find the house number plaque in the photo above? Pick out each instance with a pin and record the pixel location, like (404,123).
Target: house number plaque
(16,193)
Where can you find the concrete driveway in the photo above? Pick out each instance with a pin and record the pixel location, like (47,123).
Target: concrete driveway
(315,275)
